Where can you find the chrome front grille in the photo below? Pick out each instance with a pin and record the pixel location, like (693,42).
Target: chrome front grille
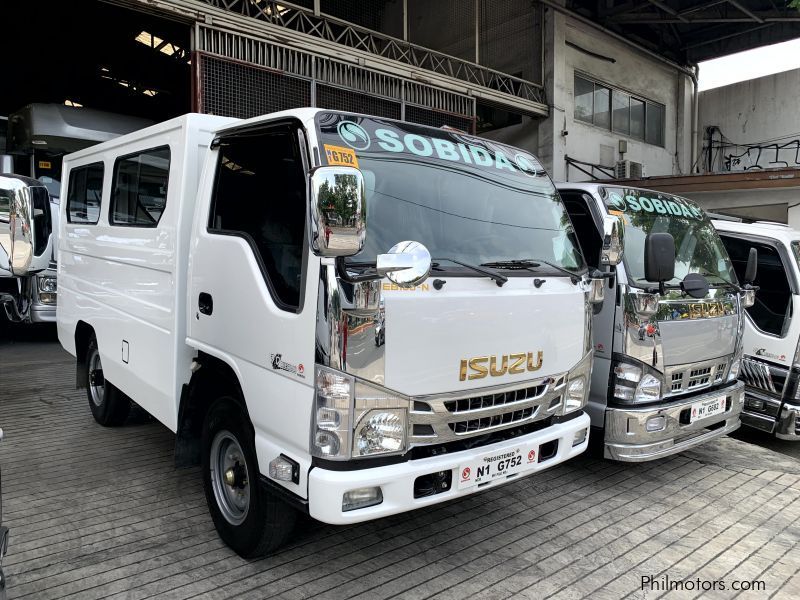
(762,376)
(489,400)
(473,425)
(684,379)
(450,417)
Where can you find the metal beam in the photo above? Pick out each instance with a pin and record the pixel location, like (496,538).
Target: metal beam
(746,11)
(668,9)
(650,20)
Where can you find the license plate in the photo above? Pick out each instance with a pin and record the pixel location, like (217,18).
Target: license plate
(497,465)
(707,408)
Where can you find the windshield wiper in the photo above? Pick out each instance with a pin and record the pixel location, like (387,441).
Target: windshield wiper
(497,277)
(529,264)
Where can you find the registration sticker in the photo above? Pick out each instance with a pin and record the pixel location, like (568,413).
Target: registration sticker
(707,408)
(497,465)
(339,155)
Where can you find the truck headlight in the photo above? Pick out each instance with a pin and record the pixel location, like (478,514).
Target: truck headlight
(636,383)
(578,382)
(356,419)
(380,432)
(330,433)
(47,284)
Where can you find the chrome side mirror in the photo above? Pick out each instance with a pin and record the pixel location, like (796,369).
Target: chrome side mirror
(611,252)
(748,297)
(407,264)
(597,291)
(26,226)
(338,211)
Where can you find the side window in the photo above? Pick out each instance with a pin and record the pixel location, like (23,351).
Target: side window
(84,193)
(772,309)
(259,195)
(139,193)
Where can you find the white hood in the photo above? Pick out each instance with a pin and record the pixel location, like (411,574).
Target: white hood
(429,332)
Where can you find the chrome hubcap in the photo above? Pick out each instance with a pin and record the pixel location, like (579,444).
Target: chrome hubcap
(229,477)
(96,381)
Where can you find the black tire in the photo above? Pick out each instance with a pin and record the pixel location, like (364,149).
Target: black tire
(266,521)
(109,406)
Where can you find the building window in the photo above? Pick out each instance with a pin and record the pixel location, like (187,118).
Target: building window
(84,192)
(618,111)
(139,193)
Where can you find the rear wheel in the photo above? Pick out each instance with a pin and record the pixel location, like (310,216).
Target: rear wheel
(248,517)
(109,406)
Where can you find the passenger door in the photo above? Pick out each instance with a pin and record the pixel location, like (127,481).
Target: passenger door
(772,329)
(252,298)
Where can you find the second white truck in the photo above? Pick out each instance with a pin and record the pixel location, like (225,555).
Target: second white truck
(341,314)
(771,364)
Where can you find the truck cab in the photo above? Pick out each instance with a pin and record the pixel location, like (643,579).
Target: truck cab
(668,336)
(771,363)
(26,248)
(346,315)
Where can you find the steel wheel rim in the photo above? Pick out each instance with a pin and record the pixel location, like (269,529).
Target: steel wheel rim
(97,391)
(233,498)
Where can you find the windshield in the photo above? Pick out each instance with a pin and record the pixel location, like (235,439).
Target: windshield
(698,248)
(464,198)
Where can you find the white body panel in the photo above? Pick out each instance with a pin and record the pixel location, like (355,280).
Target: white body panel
(473,317)
(129,283)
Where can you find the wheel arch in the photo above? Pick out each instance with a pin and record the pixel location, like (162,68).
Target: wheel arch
(211,378)
(84,333)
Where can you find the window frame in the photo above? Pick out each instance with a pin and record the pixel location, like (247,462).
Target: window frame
(112,199)
(299,137)
(69,180)
(647,103)
(784,255)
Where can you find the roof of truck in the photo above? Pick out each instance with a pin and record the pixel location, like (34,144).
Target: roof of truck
(769,229)
(594,186)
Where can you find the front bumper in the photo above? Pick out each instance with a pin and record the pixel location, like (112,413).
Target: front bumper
(326,488)
(772,415)
(627,439)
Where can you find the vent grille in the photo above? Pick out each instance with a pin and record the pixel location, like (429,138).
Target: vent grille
(473,425)
(490,400)
(688,378)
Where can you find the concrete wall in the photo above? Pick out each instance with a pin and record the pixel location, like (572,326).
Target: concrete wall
(759,118)
(629,70)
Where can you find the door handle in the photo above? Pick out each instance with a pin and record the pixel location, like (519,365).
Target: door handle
(205,303)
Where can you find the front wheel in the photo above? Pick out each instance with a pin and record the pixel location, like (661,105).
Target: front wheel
(109,406)
(248,517)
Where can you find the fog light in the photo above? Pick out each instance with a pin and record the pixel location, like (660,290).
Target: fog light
(580,437)
(361,498)
(656,423)
(47,298)
(283,468)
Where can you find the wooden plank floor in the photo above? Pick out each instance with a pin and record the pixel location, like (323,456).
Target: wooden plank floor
(103,513)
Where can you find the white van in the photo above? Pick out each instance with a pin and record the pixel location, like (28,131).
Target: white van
(233,278)
(771,365)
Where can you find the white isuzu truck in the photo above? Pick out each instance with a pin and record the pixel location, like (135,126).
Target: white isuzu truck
(668,338)
(771,363)
(232,280)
